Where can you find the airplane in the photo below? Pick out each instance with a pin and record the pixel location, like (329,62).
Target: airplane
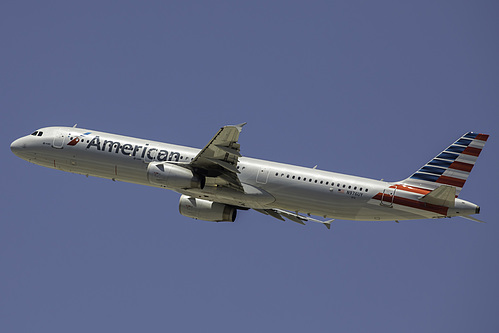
(217,181)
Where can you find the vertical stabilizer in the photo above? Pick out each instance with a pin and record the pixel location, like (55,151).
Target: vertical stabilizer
(452,166)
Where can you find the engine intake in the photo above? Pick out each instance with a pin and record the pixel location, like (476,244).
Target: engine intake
(205,210)
(173,176)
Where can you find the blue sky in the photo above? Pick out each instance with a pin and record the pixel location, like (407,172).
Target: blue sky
(374,89)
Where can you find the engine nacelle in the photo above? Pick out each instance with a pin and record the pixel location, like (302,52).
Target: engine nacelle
(205,210)
(173,176)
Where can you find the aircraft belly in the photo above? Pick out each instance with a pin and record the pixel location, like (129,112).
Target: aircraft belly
(116,169)
(323,203)
(339,206)
(252,197)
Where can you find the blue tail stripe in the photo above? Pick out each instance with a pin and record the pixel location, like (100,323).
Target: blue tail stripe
(440,163)
(456,149)
(425,176)
(471,135)
(447,156)
(433,170)
(463,142)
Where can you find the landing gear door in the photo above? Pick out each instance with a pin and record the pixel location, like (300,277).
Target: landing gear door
(387,197)
(58,140)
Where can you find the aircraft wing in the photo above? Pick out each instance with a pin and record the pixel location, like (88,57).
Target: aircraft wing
(219,158)
(280,214)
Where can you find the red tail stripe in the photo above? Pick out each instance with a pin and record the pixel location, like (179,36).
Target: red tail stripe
(482,137)
(410,189)
(451,181)
(413,204)
(472,151)
(461,166)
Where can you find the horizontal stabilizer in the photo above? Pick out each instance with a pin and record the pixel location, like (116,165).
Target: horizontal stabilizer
(445,195)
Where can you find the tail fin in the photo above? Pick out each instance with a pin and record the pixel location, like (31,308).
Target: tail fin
(452,166)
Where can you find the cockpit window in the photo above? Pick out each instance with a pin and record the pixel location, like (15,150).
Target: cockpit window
(40,133)
(34,133)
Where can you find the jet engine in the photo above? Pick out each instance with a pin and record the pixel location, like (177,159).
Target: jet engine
(173,176)
(205,210)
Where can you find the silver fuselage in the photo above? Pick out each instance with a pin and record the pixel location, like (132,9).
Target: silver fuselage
(269,184)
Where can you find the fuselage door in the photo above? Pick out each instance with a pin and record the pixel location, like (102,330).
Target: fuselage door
(387,197)
(262,176)
(58,140)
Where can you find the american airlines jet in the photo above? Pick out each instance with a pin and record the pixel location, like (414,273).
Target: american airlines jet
(216,181)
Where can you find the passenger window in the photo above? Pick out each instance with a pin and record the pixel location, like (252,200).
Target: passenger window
(299,178)
(293,177)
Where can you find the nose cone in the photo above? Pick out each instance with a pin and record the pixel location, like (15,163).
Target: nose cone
(17,146)
(20,147)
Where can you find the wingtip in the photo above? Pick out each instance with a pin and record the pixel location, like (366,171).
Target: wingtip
(471,218)
(328,224)
(240,126)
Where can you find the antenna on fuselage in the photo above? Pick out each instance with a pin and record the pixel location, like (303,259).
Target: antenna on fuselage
(75,125)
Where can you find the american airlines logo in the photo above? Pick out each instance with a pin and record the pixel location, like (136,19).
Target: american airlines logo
(75,140)
(137,151)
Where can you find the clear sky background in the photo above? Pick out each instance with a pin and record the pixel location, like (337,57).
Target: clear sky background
(370,88)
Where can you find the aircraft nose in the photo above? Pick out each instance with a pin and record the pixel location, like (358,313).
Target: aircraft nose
(17,146)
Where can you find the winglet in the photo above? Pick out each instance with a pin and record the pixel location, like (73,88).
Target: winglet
(328,224)
(240,126)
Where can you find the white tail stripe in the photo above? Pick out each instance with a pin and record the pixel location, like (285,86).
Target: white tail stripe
(456,174)
(477,144)
(470,159)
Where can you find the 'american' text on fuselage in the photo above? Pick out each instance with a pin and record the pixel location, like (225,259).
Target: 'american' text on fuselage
(127,149)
